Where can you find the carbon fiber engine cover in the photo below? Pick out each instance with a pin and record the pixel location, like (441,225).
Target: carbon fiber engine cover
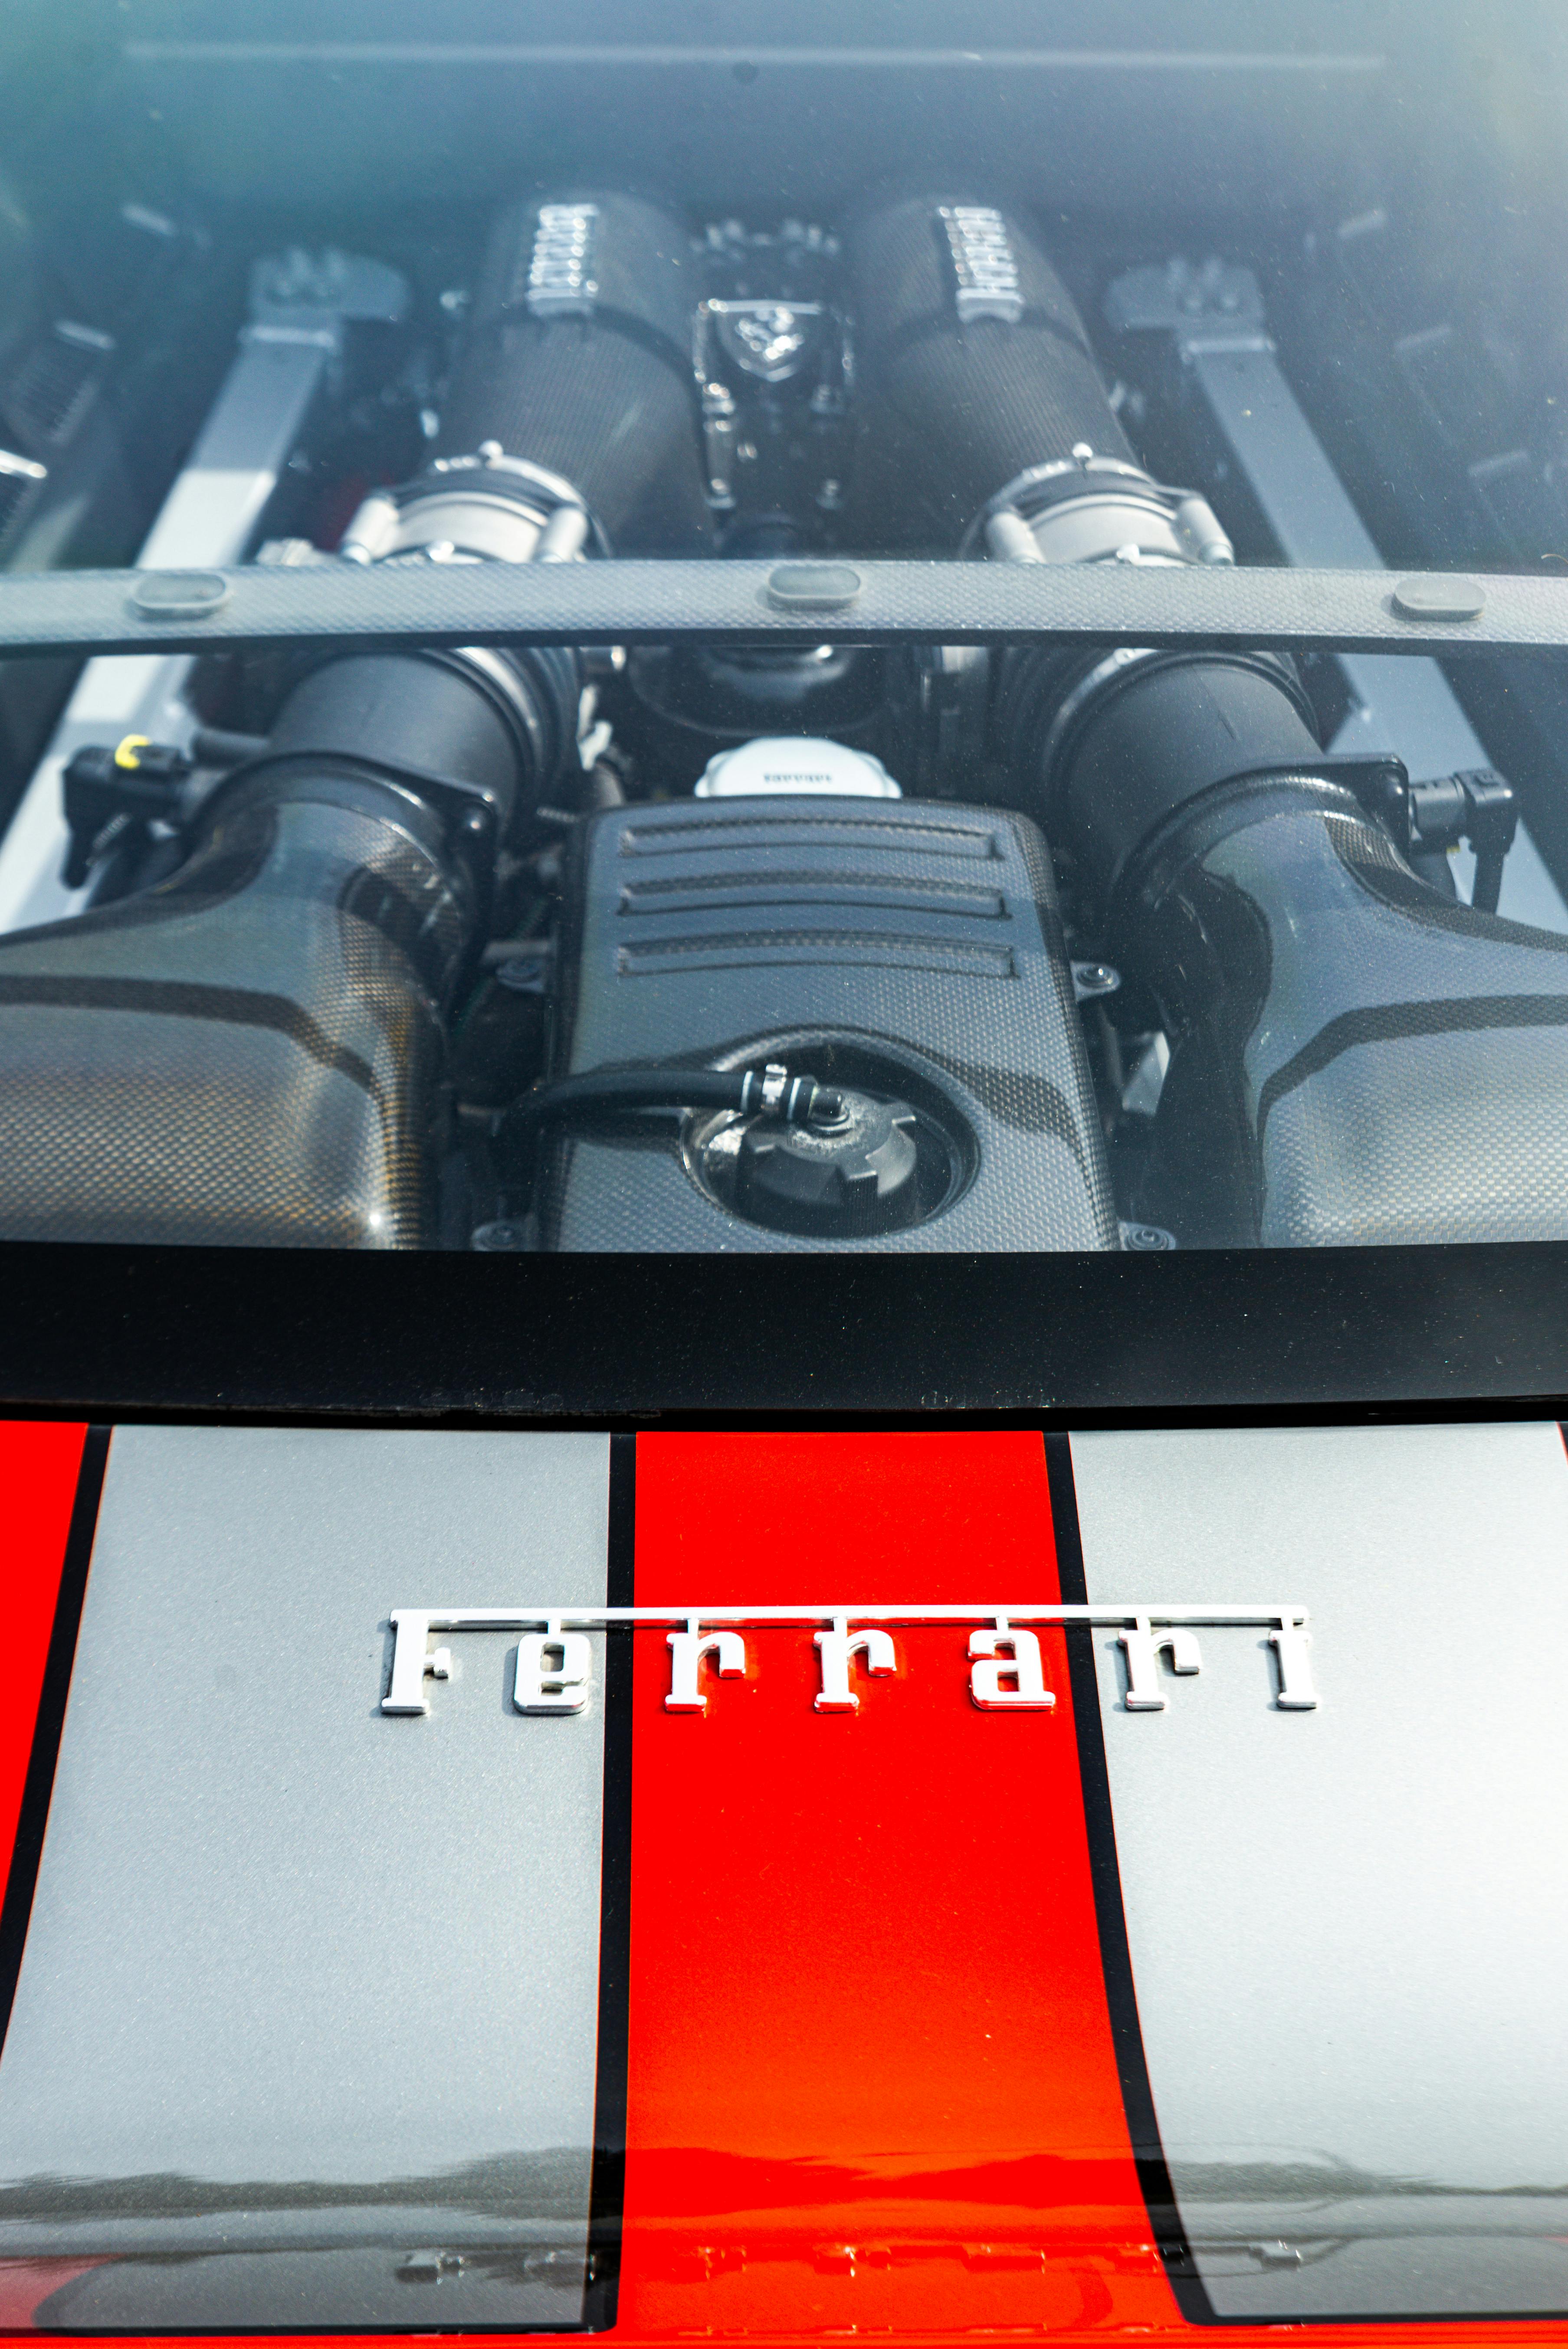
(1356,1061)
(241,1058)
(914,949)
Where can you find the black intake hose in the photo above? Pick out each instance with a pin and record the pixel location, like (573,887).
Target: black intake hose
(580,360)
(975,365)
(248,1055)
(1354,1059)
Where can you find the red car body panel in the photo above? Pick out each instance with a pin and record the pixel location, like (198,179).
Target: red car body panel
(39,1461)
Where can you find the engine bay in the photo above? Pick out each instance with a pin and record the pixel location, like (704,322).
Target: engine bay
(703,945)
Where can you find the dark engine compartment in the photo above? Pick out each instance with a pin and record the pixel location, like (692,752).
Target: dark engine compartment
(704,947)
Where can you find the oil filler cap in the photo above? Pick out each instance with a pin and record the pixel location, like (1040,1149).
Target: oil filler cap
(842,1181)
(803,764)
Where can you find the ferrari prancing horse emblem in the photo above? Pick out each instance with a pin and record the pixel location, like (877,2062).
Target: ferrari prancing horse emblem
(706,1645)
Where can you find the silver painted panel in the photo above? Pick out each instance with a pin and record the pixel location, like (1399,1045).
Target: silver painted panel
(309,2000)
(1349,1926)
(207,518)
(299,311)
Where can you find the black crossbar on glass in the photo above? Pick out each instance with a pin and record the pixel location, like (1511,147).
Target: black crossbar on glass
(632,602)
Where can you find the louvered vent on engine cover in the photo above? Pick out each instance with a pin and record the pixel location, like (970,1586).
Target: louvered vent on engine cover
(916,938)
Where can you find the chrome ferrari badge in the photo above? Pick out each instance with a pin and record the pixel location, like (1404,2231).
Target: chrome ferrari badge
(985,271)
(560,282)
(707,1646)
(771,340)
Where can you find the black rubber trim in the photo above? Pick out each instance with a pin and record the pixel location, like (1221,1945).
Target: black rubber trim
(102,1332)
(1116,1957)
(39,1784)
(607,2191)
(1190,606)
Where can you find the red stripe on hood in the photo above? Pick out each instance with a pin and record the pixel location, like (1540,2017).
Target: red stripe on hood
(871,2078)
(40,1462)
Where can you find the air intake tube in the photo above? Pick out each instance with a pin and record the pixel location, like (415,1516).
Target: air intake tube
(248,1055)
(571,421)
(1354,1059)
(984,420)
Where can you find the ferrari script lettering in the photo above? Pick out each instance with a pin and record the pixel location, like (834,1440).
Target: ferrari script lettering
(707,1646)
